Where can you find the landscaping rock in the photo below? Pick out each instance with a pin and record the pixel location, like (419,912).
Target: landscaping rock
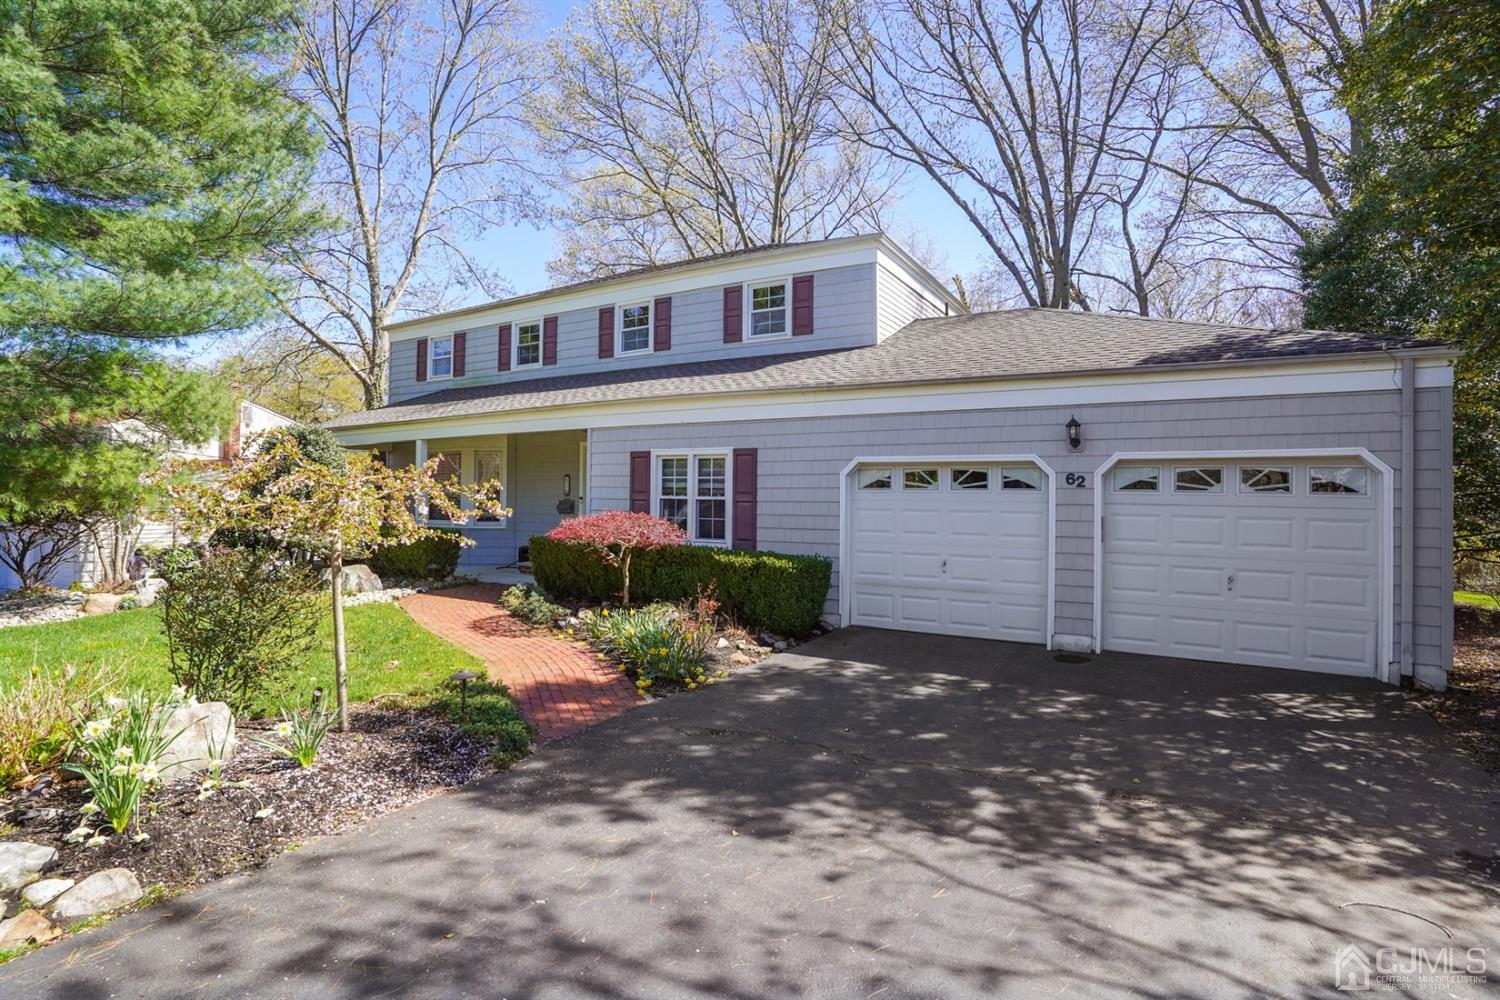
(39,815)
(207,724)
(741,659)
(147,590)
(22,863)
(102,604)
(99,893)
(41,893)
(27,927)
(723,643)
(357,579)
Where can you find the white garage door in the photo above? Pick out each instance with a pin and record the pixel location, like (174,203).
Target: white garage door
(1265,563)
(956,549)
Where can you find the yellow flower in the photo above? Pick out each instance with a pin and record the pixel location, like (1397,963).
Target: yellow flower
(605,612)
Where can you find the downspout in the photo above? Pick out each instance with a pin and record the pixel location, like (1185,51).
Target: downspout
(1408,513)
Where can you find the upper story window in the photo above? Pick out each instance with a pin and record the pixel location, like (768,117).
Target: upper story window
(440,357)
(767,315)
(635,329)
(529,344)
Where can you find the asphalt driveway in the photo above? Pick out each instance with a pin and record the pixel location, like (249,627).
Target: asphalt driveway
(878,814)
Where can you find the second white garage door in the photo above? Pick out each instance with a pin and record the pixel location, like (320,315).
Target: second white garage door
(956,549)
(1268,563)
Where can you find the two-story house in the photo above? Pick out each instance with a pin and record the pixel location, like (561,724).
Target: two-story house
(1085,481)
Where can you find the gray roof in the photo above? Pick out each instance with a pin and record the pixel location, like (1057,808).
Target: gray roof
(982,347)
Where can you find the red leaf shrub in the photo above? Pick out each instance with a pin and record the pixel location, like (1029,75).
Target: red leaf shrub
(616,535)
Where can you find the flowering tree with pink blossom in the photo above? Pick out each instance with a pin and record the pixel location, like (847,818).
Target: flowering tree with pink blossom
(278,491)
(616,535)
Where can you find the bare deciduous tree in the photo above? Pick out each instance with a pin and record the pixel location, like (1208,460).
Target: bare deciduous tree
(419,104)
(1266,84)
(683,136)
(1016,110)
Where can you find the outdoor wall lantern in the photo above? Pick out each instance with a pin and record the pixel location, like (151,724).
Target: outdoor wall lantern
(1075,437)
(567,484)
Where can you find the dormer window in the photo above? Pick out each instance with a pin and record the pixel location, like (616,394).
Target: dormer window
(440,357)
(635,329)
(529,344)
(767,315)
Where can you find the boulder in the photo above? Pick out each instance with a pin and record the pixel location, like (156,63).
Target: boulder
(357,579)
(22,863)
(147,590)
(204,725)
(99,893)
(27,927)
(41,893)
(102,604)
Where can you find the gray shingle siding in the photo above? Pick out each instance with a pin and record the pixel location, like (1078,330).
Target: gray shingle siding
(800,461)
(898,303)
(843,316)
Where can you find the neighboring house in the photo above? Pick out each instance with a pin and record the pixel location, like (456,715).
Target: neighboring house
(1269,497)
(85,566)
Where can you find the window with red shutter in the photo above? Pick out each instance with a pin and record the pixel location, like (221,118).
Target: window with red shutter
(607,332)
(422,359)
(734,322)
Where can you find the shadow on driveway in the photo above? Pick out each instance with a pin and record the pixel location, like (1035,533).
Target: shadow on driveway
(880,814)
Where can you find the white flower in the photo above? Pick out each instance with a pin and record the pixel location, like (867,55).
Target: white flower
(74,836)
(124,753)
(140,838)
(119,771)
(89,808)
(264,813)
(206,793)
(283,729)
(136,767)
(95,840)
(150,773)
(179,693)
(95,728)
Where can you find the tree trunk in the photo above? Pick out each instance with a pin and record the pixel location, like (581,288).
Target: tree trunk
(625,579)
(340,666)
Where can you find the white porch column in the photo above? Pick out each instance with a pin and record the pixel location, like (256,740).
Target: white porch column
(420,445)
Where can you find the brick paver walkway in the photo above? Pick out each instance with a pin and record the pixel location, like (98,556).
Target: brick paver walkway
(560,688)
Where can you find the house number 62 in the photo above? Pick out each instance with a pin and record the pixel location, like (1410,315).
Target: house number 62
(1076,479)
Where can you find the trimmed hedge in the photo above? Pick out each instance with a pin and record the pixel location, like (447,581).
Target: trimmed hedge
(769,590)
(424,559)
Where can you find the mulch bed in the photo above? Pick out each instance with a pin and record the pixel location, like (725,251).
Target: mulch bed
(390,757)
(1470,708)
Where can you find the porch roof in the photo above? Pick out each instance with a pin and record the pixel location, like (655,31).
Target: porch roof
(981,347)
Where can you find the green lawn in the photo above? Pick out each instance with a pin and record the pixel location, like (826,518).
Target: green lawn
(1477,600)
(388,652)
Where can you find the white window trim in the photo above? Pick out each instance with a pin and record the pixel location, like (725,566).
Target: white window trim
(432,343)
(747,299)
(515,344)
(650,347)
(727,454)
(1386,508)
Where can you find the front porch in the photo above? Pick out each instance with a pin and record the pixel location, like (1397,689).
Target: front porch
(544,477)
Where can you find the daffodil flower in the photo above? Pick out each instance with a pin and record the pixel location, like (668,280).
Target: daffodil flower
(283,729)
(119,771)
(150,773)
(96,840)
(140,838)
(89,808)
(265,813)
(96,728)
(74,836)
(124,753)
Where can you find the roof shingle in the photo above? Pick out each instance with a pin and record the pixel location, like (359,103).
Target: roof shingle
(980,347)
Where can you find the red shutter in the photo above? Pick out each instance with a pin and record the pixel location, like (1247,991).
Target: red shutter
(422,359)
(459,342)
(607,332)
(640,481)
(802,305)
(734,327)
(745,461)
(661,319)
(549,340)
(504,364)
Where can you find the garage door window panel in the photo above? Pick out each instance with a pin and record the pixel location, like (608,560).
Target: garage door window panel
(874,479)
(1141,479)
(971,479)
(1265,479)
(1198,479)
(1351,480)
(1023,478)
(919,479)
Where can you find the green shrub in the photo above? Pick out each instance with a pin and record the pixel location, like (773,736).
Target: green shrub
(658,642)
(531,605)
(764,590)
(37,714)
(491,717)
(424,559)
(236,620)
